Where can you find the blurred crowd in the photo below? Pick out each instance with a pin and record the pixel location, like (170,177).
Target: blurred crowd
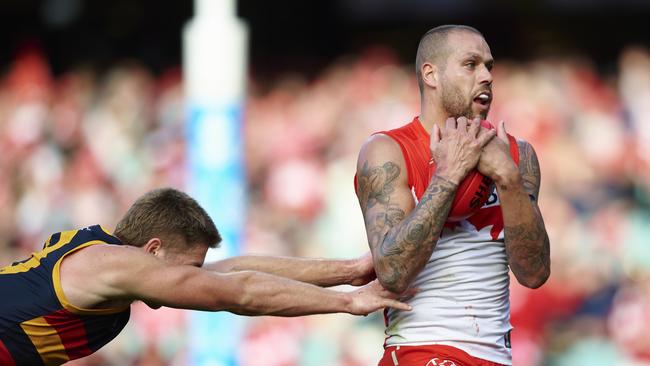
(78,148)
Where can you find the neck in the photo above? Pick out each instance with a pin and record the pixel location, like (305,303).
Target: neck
(431,113)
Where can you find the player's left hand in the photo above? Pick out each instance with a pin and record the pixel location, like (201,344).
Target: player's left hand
(495,161)
(373,297)
(364,270)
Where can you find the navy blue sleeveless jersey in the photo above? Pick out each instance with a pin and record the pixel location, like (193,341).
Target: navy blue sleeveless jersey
(38,326)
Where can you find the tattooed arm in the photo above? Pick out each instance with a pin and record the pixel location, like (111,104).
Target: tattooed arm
(527,244)
(401,235)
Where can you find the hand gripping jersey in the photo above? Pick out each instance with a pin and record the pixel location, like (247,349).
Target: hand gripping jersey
(38,326)
(464,297)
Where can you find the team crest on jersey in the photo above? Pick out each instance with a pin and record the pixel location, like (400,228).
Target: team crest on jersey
(439,362)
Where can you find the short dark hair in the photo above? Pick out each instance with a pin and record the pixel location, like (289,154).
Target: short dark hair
(167,212)
(433,47)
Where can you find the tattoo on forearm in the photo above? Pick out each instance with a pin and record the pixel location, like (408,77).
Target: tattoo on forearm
(529,169)
(525,256)
(402,240)
(528,246)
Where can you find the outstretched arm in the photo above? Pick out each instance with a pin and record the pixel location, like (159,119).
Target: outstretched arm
(526,240)
(403,235)
(319,272)
(128,275)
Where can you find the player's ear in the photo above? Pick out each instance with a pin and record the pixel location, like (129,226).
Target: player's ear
(153,246)
(429,74)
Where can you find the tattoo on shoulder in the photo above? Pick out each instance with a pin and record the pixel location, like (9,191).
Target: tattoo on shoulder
(376,183)
(529,169)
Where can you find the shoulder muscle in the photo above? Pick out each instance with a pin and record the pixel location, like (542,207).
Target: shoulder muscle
(382,186)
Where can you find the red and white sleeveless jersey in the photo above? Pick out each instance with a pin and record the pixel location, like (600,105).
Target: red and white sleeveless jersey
(464,287)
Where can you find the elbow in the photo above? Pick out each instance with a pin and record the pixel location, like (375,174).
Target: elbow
(392,275)
(533,285)
(242,302)
(245,300)
(396,288)
(535,282)
(392,281)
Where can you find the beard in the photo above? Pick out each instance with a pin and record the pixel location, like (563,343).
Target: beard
(456,104)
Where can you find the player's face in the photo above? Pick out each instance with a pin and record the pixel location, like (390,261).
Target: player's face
(175,251)
(466,81)
(190,255)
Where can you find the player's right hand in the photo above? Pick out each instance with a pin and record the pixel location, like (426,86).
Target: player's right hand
(456,149)
(373,297)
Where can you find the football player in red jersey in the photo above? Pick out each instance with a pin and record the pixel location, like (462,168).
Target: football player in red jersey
(461,314)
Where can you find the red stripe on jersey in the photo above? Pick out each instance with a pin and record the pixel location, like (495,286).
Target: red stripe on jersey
(5,356)
(72,332)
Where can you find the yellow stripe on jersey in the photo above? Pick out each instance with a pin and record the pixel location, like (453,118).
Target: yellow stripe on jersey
(35,259)
(58,288)
(46,340)
(47,242)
